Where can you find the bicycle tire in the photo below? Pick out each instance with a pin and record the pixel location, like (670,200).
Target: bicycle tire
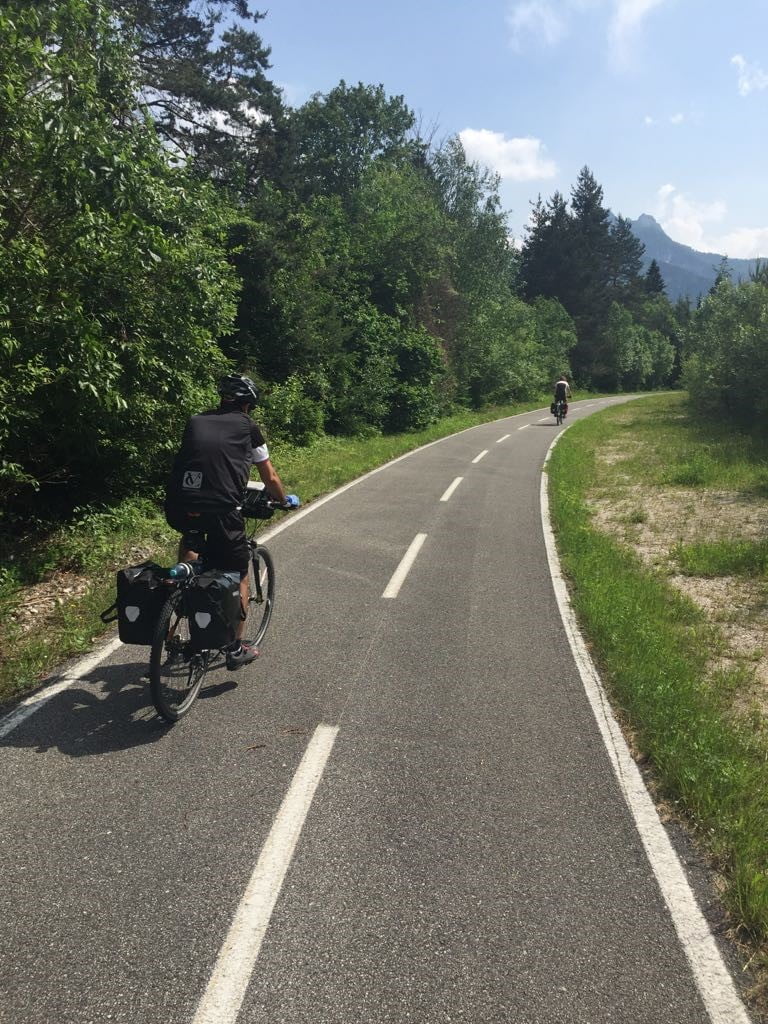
(171,662)
(261,597)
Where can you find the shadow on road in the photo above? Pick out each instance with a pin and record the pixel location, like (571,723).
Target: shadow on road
(108,710)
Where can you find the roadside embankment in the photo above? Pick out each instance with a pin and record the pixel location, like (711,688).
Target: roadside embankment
(660,518)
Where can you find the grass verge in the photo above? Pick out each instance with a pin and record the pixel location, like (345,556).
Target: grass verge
(41,624)
(654,645)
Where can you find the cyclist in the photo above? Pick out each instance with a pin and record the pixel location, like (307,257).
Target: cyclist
(206,487)
(563,392)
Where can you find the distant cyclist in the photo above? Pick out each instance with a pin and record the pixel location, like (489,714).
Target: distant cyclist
(563,391)
(206,487)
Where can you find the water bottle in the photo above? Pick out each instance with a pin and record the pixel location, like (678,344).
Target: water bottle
(184,570)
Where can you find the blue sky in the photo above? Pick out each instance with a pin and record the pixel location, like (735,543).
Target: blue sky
(664,100)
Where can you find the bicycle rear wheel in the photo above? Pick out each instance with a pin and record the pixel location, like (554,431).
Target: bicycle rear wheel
(261,595)
(175,672)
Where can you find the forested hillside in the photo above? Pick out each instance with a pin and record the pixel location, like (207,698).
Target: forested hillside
(165,215)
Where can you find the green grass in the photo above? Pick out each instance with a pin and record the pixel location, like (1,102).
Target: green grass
(729,557)
(97,542)
(652,643)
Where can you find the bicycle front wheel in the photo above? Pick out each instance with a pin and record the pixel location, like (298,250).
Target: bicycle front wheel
(176,672)
(261,595)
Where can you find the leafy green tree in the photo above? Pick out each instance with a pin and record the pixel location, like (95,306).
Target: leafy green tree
(113,275)
(556,336)
(400,236)
(338,135)
(725,364)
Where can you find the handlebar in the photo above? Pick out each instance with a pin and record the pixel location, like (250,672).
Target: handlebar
(258,505)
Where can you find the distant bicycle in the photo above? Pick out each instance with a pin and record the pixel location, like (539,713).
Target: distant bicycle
(176,668)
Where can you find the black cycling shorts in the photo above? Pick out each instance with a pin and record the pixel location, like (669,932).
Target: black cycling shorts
(217,536)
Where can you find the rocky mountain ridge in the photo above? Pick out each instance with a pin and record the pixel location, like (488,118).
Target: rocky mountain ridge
(686,271)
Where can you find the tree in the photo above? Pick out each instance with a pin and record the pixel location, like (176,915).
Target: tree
(206,84)
(625,260)
(547,258)
(338,135)
(587,295)
(113,275)
(725,363)
(653,281)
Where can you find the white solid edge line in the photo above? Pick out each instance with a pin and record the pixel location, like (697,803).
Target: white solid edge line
(398,576)
(499,440)
(482,455)
(79,669)
(451,488)
(711,976)
(237,957)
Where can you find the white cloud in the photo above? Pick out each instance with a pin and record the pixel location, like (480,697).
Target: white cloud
(548,22)
(627,19)
(673,119)
(511,159)
(535,18)
(688,221)
(752,78)
(745,243)
(683,219)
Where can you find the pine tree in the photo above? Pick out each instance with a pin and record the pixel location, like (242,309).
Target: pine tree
(206,84)
(545,264)
(587,297)
(625,257)
(653,281)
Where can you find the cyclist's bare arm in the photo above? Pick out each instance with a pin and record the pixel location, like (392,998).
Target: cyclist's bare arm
(271,480)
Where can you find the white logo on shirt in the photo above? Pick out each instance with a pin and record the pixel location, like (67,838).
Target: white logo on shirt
(192,481)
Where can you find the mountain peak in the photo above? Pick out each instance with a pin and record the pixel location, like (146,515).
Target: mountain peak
(649,223)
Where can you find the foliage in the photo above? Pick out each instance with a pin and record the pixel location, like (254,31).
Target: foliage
(114,285)
(591,263)
(337,136)
(725,368)
(206,83)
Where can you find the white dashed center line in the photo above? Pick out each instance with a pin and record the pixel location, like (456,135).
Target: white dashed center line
(449,491)
(524,426)
(482,455)
(237,957)
(503,438)
(398,577)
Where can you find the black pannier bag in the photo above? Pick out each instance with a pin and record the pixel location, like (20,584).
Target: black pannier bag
(141,595)
(213,605)
(553,408)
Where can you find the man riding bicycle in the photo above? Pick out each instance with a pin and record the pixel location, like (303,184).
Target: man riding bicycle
(562,391)
(206,487)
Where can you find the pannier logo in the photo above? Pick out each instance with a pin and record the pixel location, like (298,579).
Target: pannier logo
(193,481)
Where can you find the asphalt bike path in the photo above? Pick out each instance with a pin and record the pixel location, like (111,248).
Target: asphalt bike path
(403,811)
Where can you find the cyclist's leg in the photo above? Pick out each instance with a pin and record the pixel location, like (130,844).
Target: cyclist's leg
(228,550)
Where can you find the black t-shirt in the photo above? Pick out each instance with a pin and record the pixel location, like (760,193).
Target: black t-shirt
(214,462)
(561,391)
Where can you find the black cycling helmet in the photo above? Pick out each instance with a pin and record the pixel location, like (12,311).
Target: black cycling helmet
(234,388)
